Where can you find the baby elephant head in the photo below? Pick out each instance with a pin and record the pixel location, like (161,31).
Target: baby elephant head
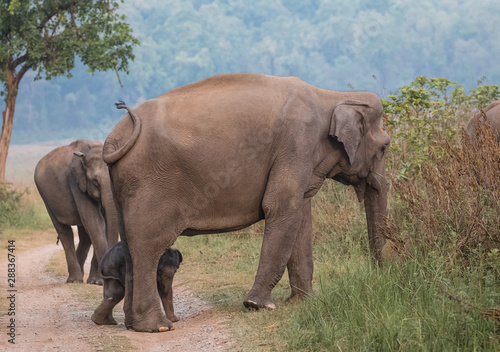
(90,172)
(172,258)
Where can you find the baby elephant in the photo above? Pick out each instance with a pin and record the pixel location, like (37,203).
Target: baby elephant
(112,270)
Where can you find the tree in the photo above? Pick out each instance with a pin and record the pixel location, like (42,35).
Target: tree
(46,36)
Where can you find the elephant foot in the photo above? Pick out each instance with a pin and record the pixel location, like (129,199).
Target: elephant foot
(161,324)
(173,318)
(293,299)
(298,296)
(94,281)
(74,280)
(255,304)
(106,320)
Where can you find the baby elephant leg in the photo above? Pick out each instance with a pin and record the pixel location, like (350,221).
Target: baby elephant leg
(164,282)
(168,265)
(113,293)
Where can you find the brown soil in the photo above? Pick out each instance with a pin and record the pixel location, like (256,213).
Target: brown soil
(50,316)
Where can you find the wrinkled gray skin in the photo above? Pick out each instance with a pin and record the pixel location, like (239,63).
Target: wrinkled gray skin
(73,181)
(112,271)
(226,152)
(492,112)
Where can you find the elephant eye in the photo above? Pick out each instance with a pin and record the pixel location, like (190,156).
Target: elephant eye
(95,183)
(383,149)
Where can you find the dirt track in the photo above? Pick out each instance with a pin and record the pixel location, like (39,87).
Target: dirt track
(49,316)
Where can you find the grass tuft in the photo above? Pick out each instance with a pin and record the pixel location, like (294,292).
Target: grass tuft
(404,307)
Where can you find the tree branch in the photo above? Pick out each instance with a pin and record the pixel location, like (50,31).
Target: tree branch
(117,75)
(16,62)
(49,15)
(20,74)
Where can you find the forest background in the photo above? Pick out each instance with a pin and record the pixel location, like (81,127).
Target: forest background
(340,45)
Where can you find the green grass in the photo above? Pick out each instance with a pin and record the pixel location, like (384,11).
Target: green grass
(406,307)
(357,306)
(22,208)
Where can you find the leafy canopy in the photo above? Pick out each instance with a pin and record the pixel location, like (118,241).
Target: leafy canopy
(47,35)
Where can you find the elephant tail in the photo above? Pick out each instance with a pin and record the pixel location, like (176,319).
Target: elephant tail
(112,151)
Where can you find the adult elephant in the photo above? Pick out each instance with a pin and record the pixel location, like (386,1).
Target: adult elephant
(221,154)
(492,113)
(74,183)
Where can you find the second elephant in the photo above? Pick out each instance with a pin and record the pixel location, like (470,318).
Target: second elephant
(73,181)
(113,268)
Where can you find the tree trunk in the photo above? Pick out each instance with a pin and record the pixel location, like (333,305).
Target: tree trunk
(8,119)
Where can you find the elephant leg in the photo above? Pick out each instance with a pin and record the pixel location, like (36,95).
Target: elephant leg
(166,293)
(92,220)
(280,234)
(66,237)
(83,247)
(142,307)
(81,254)
(94,275)
(300,266)
(168,306)
(113,293)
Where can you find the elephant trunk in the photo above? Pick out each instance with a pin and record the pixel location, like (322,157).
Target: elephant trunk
(111,217)
(376,209)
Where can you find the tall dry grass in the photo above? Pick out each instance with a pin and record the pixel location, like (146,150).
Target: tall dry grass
(454,208)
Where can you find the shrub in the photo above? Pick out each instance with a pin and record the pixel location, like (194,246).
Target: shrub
(22,209)
(10,205)
(418,112)
(454,208)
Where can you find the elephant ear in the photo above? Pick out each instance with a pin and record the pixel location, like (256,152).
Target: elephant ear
(347,125)
(78,170)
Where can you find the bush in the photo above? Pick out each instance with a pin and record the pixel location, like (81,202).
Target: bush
(19,209)
(10,205)
(418,112)
(449,201)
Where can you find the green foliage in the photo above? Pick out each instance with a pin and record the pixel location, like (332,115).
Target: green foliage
(10,204)
(16,211)
(47,36)
(327,43)
(481,96)
(416,113)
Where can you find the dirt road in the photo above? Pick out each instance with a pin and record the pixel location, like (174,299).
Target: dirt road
(50,317)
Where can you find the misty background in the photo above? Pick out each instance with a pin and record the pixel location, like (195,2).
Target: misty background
(339,45)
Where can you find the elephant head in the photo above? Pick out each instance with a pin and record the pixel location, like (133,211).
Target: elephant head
(357,124)
(90,173)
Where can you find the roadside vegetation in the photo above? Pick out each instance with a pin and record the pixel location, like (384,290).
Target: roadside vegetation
(439,291)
